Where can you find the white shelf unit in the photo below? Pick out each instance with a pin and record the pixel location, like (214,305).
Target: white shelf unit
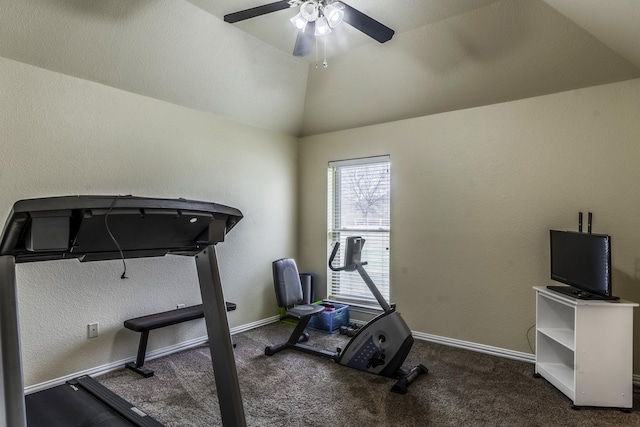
(585,348)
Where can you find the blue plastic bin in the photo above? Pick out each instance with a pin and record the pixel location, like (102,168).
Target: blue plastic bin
(330,321)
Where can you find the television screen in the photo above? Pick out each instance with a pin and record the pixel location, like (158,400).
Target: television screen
(583,261)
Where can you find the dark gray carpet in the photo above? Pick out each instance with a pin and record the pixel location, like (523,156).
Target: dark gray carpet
(462,388)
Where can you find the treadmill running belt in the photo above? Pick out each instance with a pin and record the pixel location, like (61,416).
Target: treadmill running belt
(74,405)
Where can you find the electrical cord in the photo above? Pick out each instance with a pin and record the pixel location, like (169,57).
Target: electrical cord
(106,223)
(529,340)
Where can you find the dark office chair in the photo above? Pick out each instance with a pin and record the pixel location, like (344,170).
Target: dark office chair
(286,281)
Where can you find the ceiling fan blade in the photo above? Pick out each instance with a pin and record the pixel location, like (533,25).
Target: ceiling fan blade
(256,11)
(305,41)
(366,24)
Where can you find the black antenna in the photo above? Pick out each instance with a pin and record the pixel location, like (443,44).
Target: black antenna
(579,222)
(589,223)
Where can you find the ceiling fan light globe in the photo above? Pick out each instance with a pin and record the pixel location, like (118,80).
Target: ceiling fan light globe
(334,13)
(322,27)
(309,10)
(299,22)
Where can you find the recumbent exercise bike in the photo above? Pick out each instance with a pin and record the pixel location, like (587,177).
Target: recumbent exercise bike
(379,347)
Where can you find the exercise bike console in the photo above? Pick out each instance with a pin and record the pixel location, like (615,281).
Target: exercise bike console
(352,256)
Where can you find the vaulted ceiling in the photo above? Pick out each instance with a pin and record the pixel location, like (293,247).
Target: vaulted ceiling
(406,15)
(445,55)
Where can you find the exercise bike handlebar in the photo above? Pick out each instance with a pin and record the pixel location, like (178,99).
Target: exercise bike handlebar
(357,265)
(349,267)
(332,257)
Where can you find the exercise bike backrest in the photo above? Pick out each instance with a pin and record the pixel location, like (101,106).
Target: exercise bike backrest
(352,256)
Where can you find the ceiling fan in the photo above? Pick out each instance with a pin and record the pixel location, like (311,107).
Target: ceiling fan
(316,18)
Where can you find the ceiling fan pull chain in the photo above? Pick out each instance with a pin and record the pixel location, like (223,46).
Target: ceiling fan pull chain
(316,42)
(325,64)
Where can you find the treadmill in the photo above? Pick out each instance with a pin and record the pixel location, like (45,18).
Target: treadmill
(94,228)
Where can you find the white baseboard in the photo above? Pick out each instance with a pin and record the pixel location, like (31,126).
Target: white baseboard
(253,325)
(481,348)
(494,351)
(154,354)
(100,370)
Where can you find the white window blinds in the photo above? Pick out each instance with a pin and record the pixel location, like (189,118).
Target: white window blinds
(359,205)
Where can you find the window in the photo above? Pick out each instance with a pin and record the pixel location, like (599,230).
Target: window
(359,205)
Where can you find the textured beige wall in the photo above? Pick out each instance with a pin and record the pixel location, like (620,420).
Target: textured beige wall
(474,195)
(61,135)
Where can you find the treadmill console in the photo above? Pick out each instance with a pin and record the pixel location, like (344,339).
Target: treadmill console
(92,228)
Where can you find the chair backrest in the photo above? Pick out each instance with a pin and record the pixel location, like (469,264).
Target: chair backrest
(286,281)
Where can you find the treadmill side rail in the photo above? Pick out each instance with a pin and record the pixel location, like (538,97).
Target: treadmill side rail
(118,404)
(12,408)
(220,344)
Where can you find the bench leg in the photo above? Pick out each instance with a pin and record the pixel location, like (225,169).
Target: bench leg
(137,366)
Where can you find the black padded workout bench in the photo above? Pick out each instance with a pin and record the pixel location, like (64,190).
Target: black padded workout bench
(145,324)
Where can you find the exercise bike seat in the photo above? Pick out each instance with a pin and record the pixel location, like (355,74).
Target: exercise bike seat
(286,281)
(305,310)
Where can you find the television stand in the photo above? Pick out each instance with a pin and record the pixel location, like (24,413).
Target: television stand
(580,294)
(585,348)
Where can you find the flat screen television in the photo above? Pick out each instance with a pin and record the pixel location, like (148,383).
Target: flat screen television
(582,261)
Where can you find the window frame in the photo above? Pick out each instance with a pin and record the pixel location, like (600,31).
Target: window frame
(377,249)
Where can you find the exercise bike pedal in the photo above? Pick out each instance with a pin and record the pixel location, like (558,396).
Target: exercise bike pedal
(304,337)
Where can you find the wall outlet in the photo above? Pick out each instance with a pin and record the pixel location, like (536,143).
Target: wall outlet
(92,330)
(180,306)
